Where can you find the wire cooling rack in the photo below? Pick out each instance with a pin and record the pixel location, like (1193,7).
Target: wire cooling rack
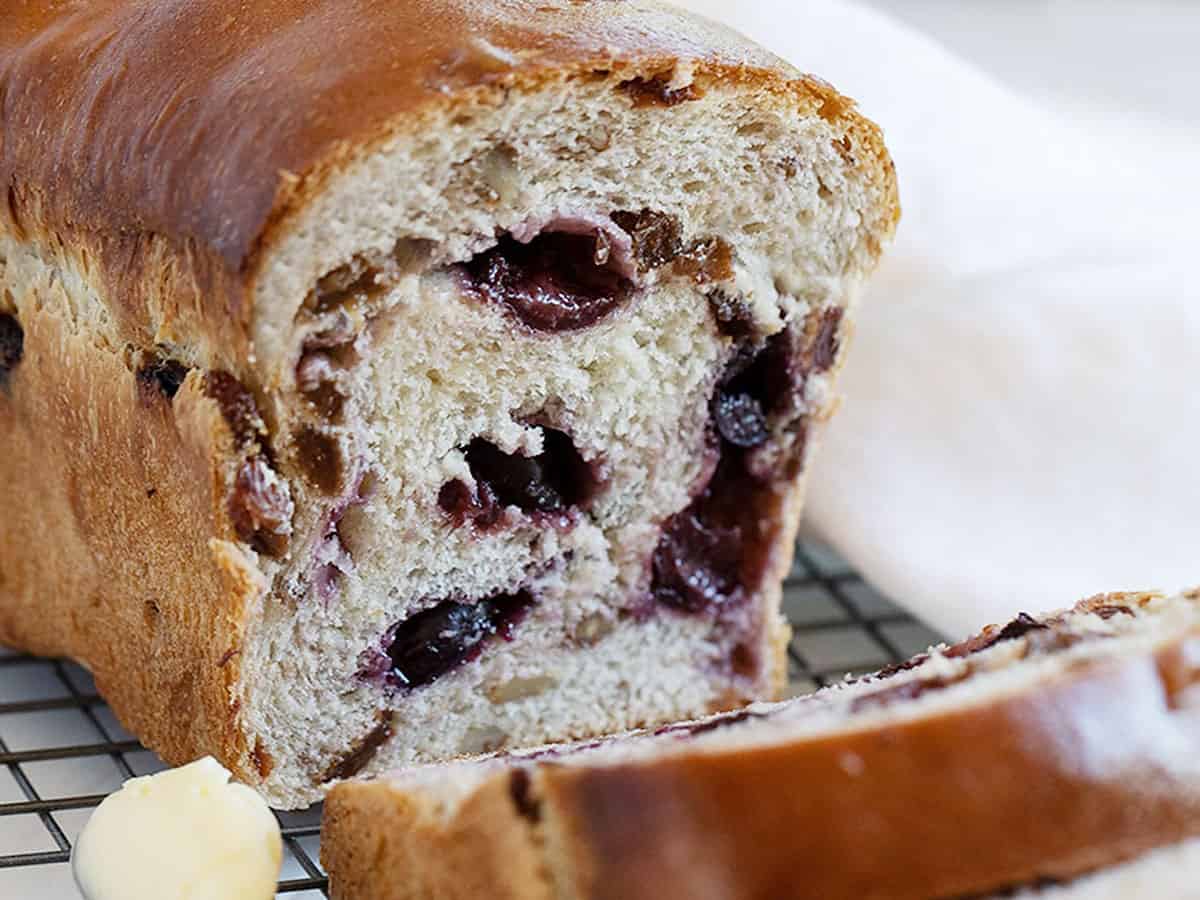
(62,750)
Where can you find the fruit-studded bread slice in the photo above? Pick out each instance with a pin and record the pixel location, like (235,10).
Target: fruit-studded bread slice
(386,382)
(1041,750)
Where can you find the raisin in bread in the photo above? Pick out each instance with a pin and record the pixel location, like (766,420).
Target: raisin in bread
(388,382)
(1041,750)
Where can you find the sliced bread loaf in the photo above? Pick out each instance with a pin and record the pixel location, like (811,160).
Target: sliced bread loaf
(387,382)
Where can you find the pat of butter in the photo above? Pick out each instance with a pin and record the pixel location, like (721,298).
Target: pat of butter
(184,833)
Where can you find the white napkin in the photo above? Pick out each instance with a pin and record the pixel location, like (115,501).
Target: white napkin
(1022,422)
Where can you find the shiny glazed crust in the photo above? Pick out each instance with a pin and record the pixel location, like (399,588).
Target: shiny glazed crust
(229,118)
(152,155)
(1092,766)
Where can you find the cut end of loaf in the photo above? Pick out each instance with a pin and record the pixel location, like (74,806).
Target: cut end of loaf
(550,375)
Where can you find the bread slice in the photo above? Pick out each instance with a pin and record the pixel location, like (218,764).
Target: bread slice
(1170,873)
(1041,750)
(388,382)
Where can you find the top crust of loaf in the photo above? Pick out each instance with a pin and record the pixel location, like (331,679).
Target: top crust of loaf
(181,136)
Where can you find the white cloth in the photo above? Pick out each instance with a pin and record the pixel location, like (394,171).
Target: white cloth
(1022,416)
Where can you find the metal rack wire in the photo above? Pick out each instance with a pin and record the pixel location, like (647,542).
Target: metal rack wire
(62,751)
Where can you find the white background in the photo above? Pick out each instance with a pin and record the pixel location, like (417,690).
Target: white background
(1133,58)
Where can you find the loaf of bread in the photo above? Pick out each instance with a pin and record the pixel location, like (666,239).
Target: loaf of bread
(1030,753)
(387,382)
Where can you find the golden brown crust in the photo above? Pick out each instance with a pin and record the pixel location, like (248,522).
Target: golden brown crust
(187,132)
(487,850)
(98,478)
(1079,775)
(1091,768)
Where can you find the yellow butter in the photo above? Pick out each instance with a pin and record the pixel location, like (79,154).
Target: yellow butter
(184,834)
